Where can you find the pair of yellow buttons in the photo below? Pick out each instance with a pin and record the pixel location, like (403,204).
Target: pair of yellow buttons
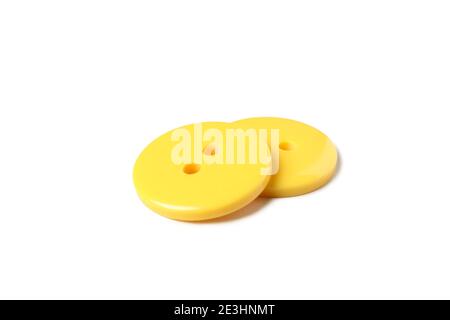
(205,171)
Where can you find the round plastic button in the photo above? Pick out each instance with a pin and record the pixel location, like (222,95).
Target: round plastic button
(185,175)
(307,157)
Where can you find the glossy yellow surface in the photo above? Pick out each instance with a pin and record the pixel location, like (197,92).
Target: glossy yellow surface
(193,191)
(307,157)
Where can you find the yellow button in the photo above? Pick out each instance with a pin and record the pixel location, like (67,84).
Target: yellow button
(185,175)
(307,157)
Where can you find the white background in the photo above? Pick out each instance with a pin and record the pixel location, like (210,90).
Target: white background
(86,85)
